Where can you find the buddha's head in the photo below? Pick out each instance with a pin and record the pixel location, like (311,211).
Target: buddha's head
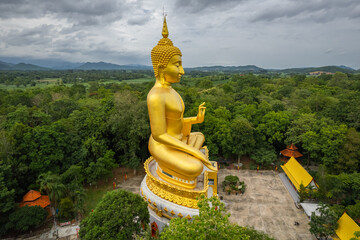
(166,58)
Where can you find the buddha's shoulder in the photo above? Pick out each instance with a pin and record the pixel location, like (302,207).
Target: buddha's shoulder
(157,93)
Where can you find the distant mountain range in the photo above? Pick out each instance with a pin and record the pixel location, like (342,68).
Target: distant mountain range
(20,66)
(110,66)
(247,68)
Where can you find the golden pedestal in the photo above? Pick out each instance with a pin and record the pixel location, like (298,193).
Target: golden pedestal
(166,200)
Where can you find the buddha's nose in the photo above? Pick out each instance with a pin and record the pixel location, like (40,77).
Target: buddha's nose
(182,72)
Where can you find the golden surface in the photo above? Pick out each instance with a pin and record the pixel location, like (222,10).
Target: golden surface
(176,150)
(173,193)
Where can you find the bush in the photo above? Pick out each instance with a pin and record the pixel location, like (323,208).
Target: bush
(66,211)
(26,217)
(232,179)
(119,215)
(232,183)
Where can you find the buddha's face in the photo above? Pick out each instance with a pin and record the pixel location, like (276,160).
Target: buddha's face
(174,70)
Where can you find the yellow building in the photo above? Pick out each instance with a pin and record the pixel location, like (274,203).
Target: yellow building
(297,174)
(347,227)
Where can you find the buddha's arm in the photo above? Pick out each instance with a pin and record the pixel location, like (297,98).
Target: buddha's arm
(199,118)
(156,107)
(187,122)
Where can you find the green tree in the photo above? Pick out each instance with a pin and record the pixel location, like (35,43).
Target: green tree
(205,83)
(242,137)
(349,153)
(74,173)
(211,223)
(339,79)
(302,124)
(119,215)
(354,210)
(26,217)
(325,224)
(66,209)
(217,129)
(7,197)
(102,167)
(264,155)
(51,184)
(129,126)
(331,138)
(273,126)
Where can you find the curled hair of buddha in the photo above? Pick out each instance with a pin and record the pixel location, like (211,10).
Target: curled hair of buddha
(163,51)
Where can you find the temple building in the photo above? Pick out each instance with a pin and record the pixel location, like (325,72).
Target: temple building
(346,227)
(297,174)
(293,176)
(290,151)
(34,198)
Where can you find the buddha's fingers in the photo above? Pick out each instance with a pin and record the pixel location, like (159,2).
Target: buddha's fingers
(209,165)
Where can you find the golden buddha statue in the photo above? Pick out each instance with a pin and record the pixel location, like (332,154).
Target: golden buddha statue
(173,146)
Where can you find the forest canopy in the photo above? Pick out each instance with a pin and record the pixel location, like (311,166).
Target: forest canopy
(83,126)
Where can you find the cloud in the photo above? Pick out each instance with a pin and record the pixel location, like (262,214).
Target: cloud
(316,10)
(267,33)
(139,20)
(82,12)
(29,36)
(196,6)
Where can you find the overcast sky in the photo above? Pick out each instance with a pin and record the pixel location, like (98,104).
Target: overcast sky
(266,33)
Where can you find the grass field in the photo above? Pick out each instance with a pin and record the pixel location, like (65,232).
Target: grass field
(93,196)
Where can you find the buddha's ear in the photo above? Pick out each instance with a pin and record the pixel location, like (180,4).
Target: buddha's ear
(160,68)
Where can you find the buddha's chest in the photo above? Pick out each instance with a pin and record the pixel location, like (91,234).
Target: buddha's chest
(174,105)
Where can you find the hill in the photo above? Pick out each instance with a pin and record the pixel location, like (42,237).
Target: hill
(307,70)
(110,66)
(35,65)
(5,66)
(20,66)
(27,67)
(247,68)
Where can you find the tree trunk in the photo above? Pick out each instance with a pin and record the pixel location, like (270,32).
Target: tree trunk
(239,158)
(134,171)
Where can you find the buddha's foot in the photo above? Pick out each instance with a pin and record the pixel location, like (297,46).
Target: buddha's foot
(176,178)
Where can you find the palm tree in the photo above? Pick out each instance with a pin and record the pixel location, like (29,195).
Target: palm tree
(51,184)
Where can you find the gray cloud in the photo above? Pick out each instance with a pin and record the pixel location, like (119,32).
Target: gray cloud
(267,33)
(139,20)
(83,12)
(317,10)
(37,36)
(196,6)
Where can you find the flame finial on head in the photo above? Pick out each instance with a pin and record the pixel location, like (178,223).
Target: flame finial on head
(163,51)
(165,32)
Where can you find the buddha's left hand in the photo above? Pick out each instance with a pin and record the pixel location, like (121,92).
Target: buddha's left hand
(201,114)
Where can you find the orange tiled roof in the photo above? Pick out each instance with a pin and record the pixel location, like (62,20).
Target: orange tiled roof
(43,202)
(291,151)
(34,198)
(31,196)
(292,147)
